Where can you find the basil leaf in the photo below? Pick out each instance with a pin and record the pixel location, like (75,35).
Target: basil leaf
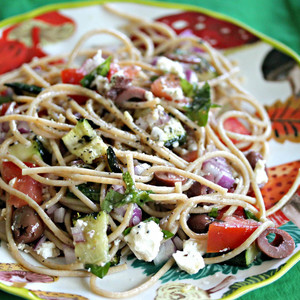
(154,219)
(167,234)
(187,87)
(21,88)
(250,215)
(213,213)
(132,195)
(89,189)
(101,70)
(98,270)
(199,108)
(5,99)
(127,231)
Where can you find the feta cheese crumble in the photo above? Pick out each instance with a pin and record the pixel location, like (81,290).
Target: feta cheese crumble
(92,63)
(144,240)
(167,65)
(260,172)
(190,259)
(48,249)
(175,93)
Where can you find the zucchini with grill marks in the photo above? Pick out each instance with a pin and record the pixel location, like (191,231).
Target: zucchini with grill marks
(84,142)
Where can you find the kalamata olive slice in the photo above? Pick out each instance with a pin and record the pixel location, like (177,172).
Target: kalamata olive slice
(199,222)
(27,225)
(253,157)
(282,246)
(168,179)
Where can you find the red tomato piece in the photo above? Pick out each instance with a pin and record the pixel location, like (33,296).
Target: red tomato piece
(190,156)
(72,76)
(236,126)
(4,107)
(23,183)
(11,170)
(127,71)
(28,186)
(168,81)
(227,235)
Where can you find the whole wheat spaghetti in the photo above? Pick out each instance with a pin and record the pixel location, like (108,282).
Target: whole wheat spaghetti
(151,137)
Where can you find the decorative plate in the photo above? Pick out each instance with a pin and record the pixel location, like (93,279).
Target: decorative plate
(271,76)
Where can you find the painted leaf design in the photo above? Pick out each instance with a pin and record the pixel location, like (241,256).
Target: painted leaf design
(285,118)
(251,280)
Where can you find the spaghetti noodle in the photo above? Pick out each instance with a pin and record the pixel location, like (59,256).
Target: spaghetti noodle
(148,104)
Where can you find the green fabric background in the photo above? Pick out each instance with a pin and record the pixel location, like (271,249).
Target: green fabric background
(279,19)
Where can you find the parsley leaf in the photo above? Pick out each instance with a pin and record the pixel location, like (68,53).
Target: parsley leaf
(101,70)
(213,213)
(199,108)
(167,234)
(250,215)
(98,270)
(132,195)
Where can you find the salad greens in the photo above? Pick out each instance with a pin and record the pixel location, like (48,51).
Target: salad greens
(132,195)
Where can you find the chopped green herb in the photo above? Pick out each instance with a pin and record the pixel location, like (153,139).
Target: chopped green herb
(20,88)
(199,108)
(5,99)
(132,195)
(167,234)
(250,215)
(213,213)
(98,270)
(154,219)
(127,231)
(89,189)
(101,70)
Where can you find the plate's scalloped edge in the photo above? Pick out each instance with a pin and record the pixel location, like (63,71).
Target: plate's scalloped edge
(27,294)
(248,288)
(17,291)
(273,42)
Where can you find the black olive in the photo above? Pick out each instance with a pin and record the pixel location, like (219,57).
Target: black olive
(27,225)
(282,246)
(253,157)
(199,222)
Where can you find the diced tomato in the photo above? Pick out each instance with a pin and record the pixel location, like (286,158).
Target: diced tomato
(190,156)
(169,81)
(11,170)
(23,183)
(236,126)
(128,71)
(230,234)
(239,212)
(72,76)
(4,107)
(28,186)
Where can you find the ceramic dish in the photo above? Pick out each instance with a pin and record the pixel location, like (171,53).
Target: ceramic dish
(60,28)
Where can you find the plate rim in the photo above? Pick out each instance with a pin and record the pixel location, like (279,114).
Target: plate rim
(293,260)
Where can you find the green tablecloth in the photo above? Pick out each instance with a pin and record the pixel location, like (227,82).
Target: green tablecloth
(278,19)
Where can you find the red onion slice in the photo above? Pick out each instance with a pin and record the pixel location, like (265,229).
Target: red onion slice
(69,254)
(165,252)
(59,215)
(219,168)
(78,235)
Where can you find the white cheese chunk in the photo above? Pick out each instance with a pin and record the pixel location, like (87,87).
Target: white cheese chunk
(190,259)
(92,63)
(144,240)
(48,249)
(167,65)
(175,93)
(260,172)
